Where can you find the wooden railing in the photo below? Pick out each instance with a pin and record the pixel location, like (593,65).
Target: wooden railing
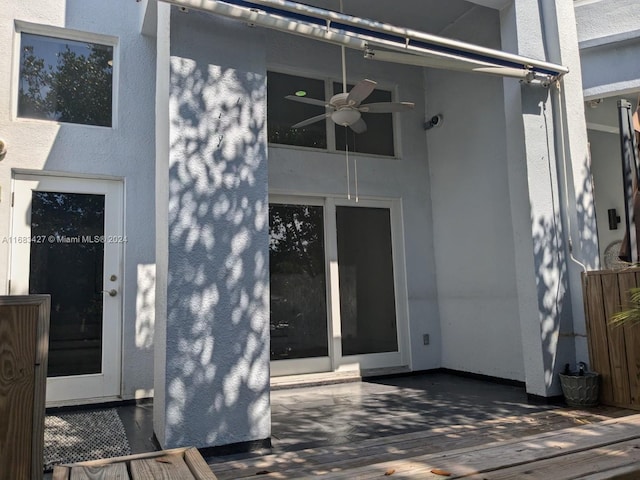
(614,351)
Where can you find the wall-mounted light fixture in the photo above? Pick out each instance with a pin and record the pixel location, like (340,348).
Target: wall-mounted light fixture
(3,149)
(614,219)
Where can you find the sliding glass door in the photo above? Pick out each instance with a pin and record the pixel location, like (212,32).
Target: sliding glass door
(297,275)
(335,282)
(367,292)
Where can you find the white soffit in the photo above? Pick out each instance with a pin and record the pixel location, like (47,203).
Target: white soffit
(377,40)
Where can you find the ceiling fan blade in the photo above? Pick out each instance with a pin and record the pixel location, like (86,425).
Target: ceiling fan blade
(359,127)
(310,101)
(311,120)
(360,91)
(386,107)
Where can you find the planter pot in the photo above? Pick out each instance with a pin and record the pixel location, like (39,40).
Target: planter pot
(581,390)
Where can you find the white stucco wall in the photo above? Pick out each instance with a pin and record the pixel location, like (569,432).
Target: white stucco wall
(546,139)
(606,18)
(609,36)
(216,357)
(125,151)
(472,218)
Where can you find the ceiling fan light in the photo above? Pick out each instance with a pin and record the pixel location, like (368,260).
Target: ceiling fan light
(345,116)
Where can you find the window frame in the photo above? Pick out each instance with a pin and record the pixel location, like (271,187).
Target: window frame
(61,33)
(329,125)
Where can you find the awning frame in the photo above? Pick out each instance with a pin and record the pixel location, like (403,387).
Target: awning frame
(377,40)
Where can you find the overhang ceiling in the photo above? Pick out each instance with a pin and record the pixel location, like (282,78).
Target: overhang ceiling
(430,16)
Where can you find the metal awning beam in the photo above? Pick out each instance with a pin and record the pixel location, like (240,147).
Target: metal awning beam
(378,40)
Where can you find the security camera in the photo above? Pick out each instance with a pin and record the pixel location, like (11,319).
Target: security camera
(434,121)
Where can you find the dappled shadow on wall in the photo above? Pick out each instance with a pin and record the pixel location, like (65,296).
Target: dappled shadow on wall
(552,264)
(218,292)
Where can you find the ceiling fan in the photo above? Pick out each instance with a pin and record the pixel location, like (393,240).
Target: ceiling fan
(345,108)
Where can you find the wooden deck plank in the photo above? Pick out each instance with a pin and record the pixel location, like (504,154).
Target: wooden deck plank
(469,461)
(179,463)
(167,467)
(117,471)
(343,461)
(197,465)
(343,457)
(577,465)
(128,458)
(630,472)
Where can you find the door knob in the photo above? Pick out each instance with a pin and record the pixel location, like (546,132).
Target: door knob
(112,293)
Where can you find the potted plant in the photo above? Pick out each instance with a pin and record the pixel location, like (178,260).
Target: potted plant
(580,388)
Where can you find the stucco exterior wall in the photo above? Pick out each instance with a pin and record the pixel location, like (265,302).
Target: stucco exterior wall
(609,36)
(606,18)
(125,151)
(472,217)
(546,142)
(217,290)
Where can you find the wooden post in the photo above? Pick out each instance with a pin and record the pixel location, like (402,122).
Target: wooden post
(24,344)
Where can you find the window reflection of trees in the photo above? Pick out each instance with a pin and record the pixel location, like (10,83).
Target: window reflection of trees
(298,287)
(65,80)
(67,262)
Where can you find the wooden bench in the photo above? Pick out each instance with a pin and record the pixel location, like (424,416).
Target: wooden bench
(176,464)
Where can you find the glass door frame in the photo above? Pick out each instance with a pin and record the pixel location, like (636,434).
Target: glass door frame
(86,388)
(371,360)
(335,360)
(300,366)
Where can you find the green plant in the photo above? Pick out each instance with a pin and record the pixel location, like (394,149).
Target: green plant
(631,315)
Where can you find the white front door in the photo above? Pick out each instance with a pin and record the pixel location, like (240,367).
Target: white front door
(67,241)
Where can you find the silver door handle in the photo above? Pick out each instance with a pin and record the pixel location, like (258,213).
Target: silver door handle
(112,293)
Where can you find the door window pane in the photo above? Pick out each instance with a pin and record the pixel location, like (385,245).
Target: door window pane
(67,262)
(378,139)
(367,297)
(297,280)
(65,80)
(283,113)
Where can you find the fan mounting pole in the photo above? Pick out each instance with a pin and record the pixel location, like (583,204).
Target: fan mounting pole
(344,62)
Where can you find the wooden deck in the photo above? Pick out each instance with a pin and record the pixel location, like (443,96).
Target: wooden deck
(176,464)
(558,444)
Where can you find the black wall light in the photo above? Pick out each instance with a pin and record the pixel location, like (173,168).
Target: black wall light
(614,219)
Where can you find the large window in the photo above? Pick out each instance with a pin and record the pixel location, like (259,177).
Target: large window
(378,139)
(282,114)
(65,80)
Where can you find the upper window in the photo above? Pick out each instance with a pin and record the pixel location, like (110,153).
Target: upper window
(282,114)
(378,138)
(65,80)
